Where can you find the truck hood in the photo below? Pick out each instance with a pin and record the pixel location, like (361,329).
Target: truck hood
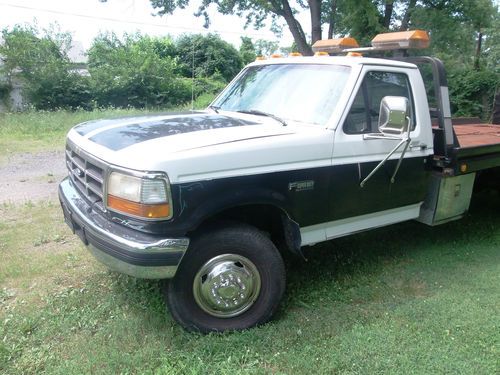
(203,145)
(175,132)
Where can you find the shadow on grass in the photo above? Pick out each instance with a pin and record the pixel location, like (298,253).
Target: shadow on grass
(382,266)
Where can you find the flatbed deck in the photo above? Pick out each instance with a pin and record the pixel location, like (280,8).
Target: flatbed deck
(479,146)
(474,135)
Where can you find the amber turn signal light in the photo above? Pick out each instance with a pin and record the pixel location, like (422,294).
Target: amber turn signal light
(148,211)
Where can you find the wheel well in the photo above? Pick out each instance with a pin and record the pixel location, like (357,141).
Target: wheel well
(283,232)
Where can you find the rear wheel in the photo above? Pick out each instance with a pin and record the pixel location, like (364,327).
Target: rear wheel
(231,278)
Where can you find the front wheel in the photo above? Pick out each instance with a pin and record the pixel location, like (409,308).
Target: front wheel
(231,278)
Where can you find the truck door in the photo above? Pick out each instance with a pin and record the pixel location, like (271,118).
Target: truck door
(355,156)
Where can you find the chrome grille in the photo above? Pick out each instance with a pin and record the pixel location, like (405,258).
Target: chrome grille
(87,174)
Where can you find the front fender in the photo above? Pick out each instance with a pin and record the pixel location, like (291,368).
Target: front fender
(202,200)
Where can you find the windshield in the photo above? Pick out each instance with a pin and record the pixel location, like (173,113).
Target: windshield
(296,92)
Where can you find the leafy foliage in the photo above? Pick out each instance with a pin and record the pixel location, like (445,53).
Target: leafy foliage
(256,13)
(472,92)
(265,47)
(208,55)
(247,50)
(360,19)
(141,71)
(492,46)
(133,73)
(40,61)
(4,91)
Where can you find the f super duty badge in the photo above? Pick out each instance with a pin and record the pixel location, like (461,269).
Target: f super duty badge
(301,185)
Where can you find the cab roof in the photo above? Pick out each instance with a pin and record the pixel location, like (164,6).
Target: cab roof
(334,60)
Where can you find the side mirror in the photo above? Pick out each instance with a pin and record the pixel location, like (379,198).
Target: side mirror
(394,116)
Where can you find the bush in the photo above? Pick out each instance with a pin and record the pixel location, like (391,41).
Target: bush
(472,92)
(134,73)
(205,90)
(212,55)
(40,61)
(54,89)
(4,91)
(210,85)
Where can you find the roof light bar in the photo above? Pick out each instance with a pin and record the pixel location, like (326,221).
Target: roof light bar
(416,39)
(334,45)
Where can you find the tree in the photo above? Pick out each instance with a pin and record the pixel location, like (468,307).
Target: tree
(256,12)
(136,71)
(247,50)
(457,27)
(359,18)
(265,47)
(491,45)
(40,60)
(207,55)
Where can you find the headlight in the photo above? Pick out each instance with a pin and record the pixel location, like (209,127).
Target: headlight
(146,197)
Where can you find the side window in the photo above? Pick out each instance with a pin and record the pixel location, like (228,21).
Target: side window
(364,112)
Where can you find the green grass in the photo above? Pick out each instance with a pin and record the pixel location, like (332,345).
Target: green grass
(402,299)
(44,130)
(397,300)
(33,131)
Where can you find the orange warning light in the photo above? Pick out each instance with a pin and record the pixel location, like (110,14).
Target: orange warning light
(415,39)
(334,45)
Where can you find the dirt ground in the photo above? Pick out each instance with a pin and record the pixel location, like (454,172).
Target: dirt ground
(31,177)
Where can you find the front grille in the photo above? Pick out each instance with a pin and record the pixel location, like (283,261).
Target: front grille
(87,174)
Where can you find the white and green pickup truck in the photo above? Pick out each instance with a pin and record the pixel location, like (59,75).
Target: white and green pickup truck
(295,151)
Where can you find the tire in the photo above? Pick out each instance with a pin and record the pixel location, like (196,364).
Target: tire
(231,278)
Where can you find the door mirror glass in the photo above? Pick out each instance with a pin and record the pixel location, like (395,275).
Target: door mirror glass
(394,118)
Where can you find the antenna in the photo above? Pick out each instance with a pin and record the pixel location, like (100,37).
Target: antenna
(192,75)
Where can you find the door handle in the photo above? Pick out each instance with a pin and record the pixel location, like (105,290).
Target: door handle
(419,145)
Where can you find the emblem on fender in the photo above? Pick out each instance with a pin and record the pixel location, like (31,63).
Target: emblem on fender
(301,185)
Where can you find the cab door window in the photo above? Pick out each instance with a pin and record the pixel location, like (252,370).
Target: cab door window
(364,113)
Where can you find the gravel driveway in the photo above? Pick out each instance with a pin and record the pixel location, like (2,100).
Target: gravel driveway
(31,176)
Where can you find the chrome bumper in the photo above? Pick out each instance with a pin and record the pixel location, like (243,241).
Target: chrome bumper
(120,248)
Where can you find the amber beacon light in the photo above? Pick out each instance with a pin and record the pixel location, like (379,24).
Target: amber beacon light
(334,45)
(415,39)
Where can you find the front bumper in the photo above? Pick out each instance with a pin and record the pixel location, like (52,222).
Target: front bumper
(120,248)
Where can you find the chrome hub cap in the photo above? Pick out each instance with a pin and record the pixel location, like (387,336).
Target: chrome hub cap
(226,285)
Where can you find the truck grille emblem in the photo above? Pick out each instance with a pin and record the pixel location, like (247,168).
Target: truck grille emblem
(77,172)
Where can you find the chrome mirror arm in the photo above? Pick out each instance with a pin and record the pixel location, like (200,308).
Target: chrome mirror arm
(406,140)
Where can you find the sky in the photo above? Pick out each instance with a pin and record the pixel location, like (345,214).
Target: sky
(86,18)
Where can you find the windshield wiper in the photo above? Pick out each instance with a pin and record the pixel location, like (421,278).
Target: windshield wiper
(262,113)
(214,108)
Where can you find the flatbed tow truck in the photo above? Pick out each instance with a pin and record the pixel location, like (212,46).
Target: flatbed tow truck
(295,151)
